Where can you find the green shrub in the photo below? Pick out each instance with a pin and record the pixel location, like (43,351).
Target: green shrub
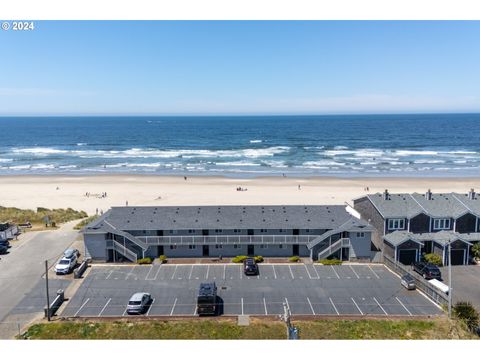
(239,259)
(330,262)
(258,259)
(434,259)
(85,222)
(162,259)
(144,261)
(294,259)
(466,313)
(476,250)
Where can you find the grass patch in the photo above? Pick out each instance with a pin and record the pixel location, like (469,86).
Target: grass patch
(85,222)
(330,262)
(37,217)
(438,328)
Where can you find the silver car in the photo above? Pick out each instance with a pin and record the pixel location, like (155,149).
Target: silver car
(408,282)
(138,303)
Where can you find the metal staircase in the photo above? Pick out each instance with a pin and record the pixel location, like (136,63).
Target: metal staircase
(122,250)
(334,247)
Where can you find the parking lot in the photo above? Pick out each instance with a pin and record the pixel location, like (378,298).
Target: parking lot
(307,289)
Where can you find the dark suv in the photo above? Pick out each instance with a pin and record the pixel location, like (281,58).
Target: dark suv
(250,267)
(427,270)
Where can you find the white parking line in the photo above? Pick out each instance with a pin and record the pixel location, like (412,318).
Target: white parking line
(274,272)
(265,305)
(195,311)
(224,271)
(315,268)
(374,273)
(240,267)
(361,312)
(100,313)
(381,307)
(409,313)
(130,273)
(242,305)
(109,274)
(335,271)
(358,277)
(81,307)
(286,302)
(150,307)
(174,271)
(190,275)
(331,301)
(173,307)
(291,273)
(307,271)
(311,307)
(126,308)
(208,270)
(149,271)
(156,274)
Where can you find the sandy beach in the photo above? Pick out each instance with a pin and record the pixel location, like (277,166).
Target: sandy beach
(70,191)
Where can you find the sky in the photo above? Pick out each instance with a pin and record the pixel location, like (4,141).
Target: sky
(229,68)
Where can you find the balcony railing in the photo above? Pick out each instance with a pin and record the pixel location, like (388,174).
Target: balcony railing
(227,239)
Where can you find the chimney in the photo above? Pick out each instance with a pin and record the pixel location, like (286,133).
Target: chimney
(428,195)
(471,194)
(386,195)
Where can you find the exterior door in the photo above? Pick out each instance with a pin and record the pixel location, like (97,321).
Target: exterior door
(206,251)
(345,253)
(295,250)
(160,250)
(407,256)
(458,256)
(250,250)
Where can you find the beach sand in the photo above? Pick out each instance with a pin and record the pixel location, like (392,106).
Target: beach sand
(34,191)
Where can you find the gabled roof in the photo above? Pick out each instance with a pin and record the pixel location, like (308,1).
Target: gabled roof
(399,237)
(442,237)
(397,205)
(222,217)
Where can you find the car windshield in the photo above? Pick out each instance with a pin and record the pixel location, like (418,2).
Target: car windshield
(134,302)
(432,268)
(64,262)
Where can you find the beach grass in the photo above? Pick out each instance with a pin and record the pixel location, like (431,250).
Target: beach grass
(37,217)
(421,329)
(84,222)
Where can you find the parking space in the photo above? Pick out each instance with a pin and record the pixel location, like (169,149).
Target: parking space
(307,289)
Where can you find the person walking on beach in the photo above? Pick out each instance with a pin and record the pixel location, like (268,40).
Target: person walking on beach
(185,178)
(299,187)
(126,203)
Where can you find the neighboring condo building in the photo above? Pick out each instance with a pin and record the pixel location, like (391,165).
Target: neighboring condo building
(134,232)
(409,225)
(8,231)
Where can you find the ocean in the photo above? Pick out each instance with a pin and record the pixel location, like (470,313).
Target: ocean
(244,146)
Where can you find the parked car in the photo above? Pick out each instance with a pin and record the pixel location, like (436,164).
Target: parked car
(250,267)
(66,265)
(3,249)
(408,281)
(25,225)
(439,285)
(138,303)
(5,242)
(427,270)
(69,253)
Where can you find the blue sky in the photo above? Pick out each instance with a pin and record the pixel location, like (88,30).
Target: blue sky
(296,67)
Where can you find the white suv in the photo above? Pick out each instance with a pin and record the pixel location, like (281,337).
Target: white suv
(66,265)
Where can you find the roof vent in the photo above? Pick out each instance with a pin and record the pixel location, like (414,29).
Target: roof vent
(428,195)
(471,194)
(386,195)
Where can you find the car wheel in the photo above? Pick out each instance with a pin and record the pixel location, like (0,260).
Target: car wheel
(424,276)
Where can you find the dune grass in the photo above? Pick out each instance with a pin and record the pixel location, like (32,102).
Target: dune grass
(438,328)
(84,222)
(37,217)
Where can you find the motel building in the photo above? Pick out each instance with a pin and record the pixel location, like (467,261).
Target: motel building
(410,225)
(130,233)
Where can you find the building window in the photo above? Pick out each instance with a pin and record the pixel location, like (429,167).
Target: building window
(218,246)
(191,231)
(441,224)
(263,246)
(174,232)
(307,230)
(360,235)
(237,246)
(396,224)
(192,247)
(218,230)
(173,247)
(280,246)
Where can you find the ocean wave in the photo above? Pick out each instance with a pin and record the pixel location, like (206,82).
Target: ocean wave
(255,141)
(237,163)
(39,151)
(322,163)
(415,152)
(6,160)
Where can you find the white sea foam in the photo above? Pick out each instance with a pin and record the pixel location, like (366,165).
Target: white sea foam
(414,152)
(255,141)
(39,151)
(322,163)
(237,163)
(5,160)
(428,161)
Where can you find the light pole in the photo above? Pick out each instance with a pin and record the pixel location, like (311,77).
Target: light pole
(449,279)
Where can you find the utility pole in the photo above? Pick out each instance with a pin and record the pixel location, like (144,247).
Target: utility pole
(450,279)
(46,288)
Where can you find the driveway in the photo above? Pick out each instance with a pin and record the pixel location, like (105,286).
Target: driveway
(465,281)
(22,269)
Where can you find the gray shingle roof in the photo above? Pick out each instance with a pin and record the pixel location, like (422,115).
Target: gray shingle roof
(222,217)
(401,205)
(442,237)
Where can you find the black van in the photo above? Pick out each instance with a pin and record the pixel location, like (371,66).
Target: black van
(207,303)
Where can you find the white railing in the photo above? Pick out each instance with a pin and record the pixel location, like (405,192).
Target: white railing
(112,244)
(335,246)
(227,239)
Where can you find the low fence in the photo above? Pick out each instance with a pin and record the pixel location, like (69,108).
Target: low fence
(433,293)
(77,274)
(56,303)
